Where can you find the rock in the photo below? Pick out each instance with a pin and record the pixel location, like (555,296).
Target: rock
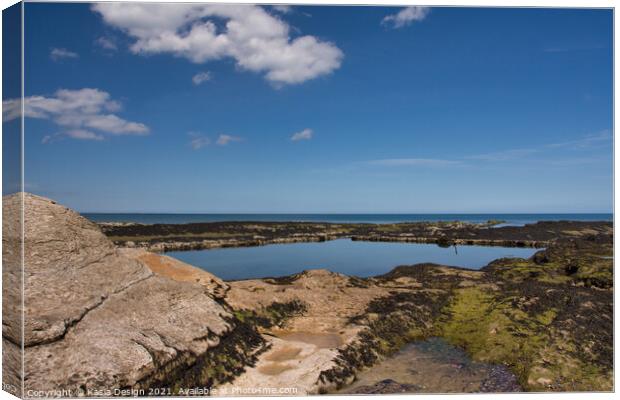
(330,299)
(11,294)
(500,379)
(96,319)
(179,271)
(293,365)
(387,386)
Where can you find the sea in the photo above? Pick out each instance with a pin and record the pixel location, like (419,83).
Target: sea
(510,219)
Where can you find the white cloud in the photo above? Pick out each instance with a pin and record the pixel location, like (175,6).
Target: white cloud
(201,77)
(406,16)
(591,141)
(77,111)
(223,140)
(306,134)
(542,154)
(282,8)
(83,134)
(106,43)
(256,40)
(198,141)
(58,54)
(80,134)
(11,109)
(423,162)
(601,138)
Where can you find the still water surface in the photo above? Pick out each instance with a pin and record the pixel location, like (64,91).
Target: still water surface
(344,255)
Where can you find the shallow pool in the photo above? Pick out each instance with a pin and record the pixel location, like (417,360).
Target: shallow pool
(344,255)
(432,366)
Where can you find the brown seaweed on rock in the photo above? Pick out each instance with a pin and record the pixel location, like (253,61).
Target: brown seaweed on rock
(549,318)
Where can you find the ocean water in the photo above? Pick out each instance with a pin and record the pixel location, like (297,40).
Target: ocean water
(511,219)
(349,257)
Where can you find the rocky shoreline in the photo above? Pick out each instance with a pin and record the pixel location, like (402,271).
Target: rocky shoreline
(101,318)
(199,236)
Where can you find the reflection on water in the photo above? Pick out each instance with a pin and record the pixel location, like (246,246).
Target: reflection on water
(433,366)
(345,256)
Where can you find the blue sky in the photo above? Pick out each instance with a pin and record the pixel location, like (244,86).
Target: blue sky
(392,109)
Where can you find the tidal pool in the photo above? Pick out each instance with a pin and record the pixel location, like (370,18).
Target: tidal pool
(432,366)
(349,257)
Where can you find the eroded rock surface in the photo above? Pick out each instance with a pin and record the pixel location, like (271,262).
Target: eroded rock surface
(11,294)
(97,319)
(178,270)
(307,344)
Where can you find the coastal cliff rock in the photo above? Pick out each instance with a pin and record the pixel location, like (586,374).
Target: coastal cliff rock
(95,319)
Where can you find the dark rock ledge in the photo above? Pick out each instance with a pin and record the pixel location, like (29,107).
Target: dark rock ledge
(196,236)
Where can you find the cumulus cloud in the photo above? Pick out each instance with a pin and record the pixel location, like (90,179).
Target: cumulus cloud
(11,109)
(106,43)
(57,54)
(257,40)
(406,16)
(306,134)
(78,112)
(201,77)
(223,140)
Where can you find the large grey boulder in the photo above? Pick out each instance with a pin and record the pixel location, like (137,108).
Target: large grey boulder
(95,319)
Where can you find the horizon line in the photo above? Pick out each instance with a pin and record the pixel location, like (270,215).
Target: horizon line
(351,213)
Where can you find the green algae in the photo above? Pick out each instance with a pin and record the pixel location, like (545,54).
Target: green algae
(549,318)
(491,330)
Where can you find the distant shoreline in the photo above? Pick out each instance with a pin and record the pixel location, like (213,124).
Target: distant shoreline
(199,236)
(513,219)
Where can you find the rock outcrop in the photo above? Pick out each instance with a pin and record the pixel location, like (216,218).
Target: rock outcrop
(179,271)
(11,294)
(96,319)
